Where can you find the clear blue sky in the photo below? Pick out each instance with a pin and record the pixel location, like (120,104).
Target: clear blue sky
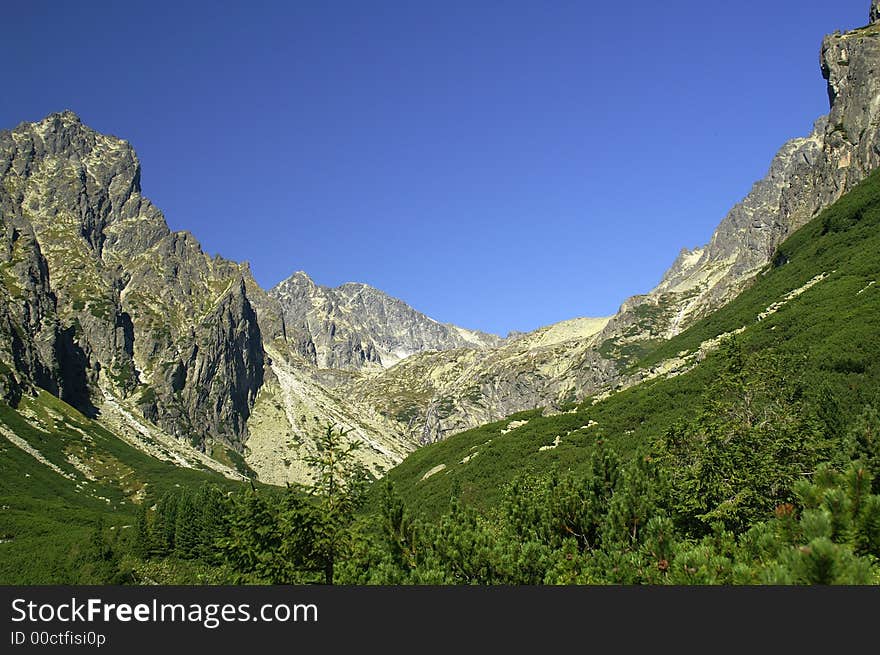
(499,165)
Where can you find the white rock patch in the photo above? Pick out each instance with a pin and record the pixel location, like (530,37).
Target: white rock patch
(433,471)
(556,442)
(513,425)
(775,307)
(33,452)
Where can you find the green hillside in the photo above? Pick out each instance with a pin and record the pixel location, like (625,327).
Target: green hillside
(749,453)
(50,510)
(830,333)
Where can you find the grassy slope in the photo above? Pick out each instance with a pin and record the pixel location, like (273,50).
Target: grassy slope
(831,328)
(45,518)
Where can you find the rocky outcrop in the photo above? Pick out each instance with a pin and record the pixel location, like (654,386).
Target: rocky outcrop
(807,175)
(355,325)
(435,394)
(224,369)
(116,302)
(30,340)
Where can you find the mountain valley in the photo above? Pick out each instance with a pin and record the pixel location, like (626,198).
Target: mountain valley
(133,364)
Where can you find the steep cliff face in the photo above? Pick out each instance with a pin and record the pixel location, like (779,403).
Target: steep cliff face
(139,312)
(30,341)
(807,175)
(68,184)
(355,326)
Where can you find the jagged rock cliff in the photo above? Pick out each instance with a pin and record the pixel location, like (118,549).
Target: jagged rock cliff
(31,344)
(355,325)
(807,175)
(113,301)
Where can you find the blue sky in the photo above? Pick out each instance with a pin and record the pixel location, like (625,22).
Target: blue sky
(499,165)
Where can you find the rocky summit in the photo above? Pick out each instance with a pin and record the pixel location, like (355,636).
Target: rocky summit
(114,304)
(356,325)
(106,308)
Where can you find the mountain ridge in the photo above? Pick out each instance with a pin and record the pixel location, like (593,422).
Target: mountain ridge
(356,325)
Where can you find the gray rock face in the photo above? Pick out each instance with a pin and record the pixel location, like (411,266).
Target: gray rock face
(436,394)
(807,175)
(29,336)
(354,326)
(224,367)
(114,301)
(875,11)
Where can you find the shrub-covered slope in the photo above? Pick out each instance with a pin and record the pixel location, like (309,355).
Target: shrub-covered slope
(817,306)
(64,477)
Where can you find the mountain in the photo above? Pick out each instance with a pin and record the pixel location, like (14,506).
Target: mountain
(355,325)
(441,394)
(351,333)
(807,175)
(102,305)
(437,394)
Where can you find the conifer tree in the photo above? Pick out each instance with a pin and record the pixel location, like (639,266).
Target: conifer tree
(252,545)
(141,546)
(187,527)
(164,524)
(339,488)
(398,529)
(755,435)
(865,442)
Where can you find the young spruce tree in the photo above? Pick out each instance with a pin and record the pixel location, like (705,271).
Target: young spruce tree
(339,488)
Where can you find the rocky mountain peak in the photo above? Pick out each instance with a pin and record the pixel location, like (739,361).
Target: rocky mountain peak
(875,11)
(299,279)
(356,325)
(126,308)
(59,120)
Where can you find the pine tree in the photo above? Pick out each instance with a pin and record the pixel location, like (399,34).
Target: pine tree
(141,546)
(398,529)
(187,527)
(864,438)
(164,524)
(755,435)
(252,545)
(339,488)
(211,511)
